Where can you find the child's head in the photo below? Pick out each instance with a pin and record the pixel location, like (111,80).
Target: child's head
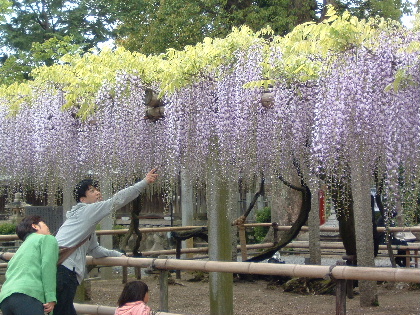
(31,224)
(134,291)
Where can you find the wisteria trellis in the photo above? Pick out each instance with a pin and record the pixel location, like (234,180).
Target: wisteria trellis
(322,122)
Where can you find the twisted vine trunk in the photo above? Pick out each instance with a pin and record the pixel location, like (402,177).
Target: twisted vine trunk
(302,218)
(134,229)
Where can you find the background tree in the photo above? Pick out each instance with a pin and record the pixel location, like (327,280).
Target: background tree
(153,26)
(4,8)
(37,21)
(35,33)
(393,9)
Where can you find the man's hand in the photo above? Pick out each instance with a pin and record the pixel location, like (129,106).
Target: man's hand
(48,307)
(151,176)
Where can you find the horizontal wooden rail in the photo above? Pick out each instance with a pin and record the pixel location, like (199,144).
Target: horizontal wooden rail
(292,270)
(279,228)
(6,238)
(103,310)
(149,230)
(338,272)
(294,244)
(339,245)
(335,228)
(14,237)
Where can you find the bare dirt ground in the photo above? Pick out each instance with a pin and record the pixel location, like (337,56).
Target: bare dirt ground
(258,297)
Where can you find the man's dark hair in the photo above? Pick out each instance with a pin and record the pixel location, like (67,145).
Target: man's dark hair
(25,228)
(82,187)
(133,291)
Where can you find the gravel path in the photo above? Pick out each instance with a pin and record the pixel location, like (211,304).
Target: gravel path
(259,297)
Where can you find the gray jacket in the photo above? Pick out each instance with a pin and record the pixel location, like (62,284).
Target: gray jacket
(81,223)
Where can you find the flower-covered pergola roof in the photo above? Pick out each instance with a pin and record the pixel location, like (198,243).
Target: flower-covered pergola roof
(340,88)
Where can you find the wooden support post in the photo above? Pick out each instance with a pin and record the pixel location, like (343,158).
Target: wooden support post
(242,241)
(340,297)
(81,292)
(137,272)
(124,274)
(407,258)
(275,232)
(349,283)
(163,296)
(178,256)
(416,258)
(340,293)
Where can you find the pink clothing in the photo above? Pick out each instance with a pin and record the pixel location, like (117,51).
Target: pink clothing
(133,308)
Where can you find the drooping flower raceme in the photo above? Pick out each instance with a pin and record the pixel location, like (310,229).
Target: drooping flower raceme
(216,122)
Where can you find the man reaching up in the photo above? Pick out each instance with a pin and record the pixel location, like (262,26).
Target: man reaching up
(79,230)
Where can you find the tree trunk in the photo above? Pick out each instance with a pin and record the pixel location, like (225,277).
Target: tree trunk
(360,184)
(187,206)
(314,237)
(219,225)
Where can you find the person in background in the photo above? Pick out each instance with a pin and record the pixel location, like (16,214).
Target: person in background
(79,231)
(30,286)
(133,299)
(400,259)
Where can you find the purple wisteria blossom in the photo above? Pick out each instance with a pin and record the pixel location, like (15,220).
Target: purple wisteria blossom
(347,112)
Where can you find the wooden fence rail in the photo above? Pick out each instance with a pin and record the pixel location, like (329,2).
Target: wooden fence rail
(337,272)
(13,237)
(340,272)
(243,247)
(103,310)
